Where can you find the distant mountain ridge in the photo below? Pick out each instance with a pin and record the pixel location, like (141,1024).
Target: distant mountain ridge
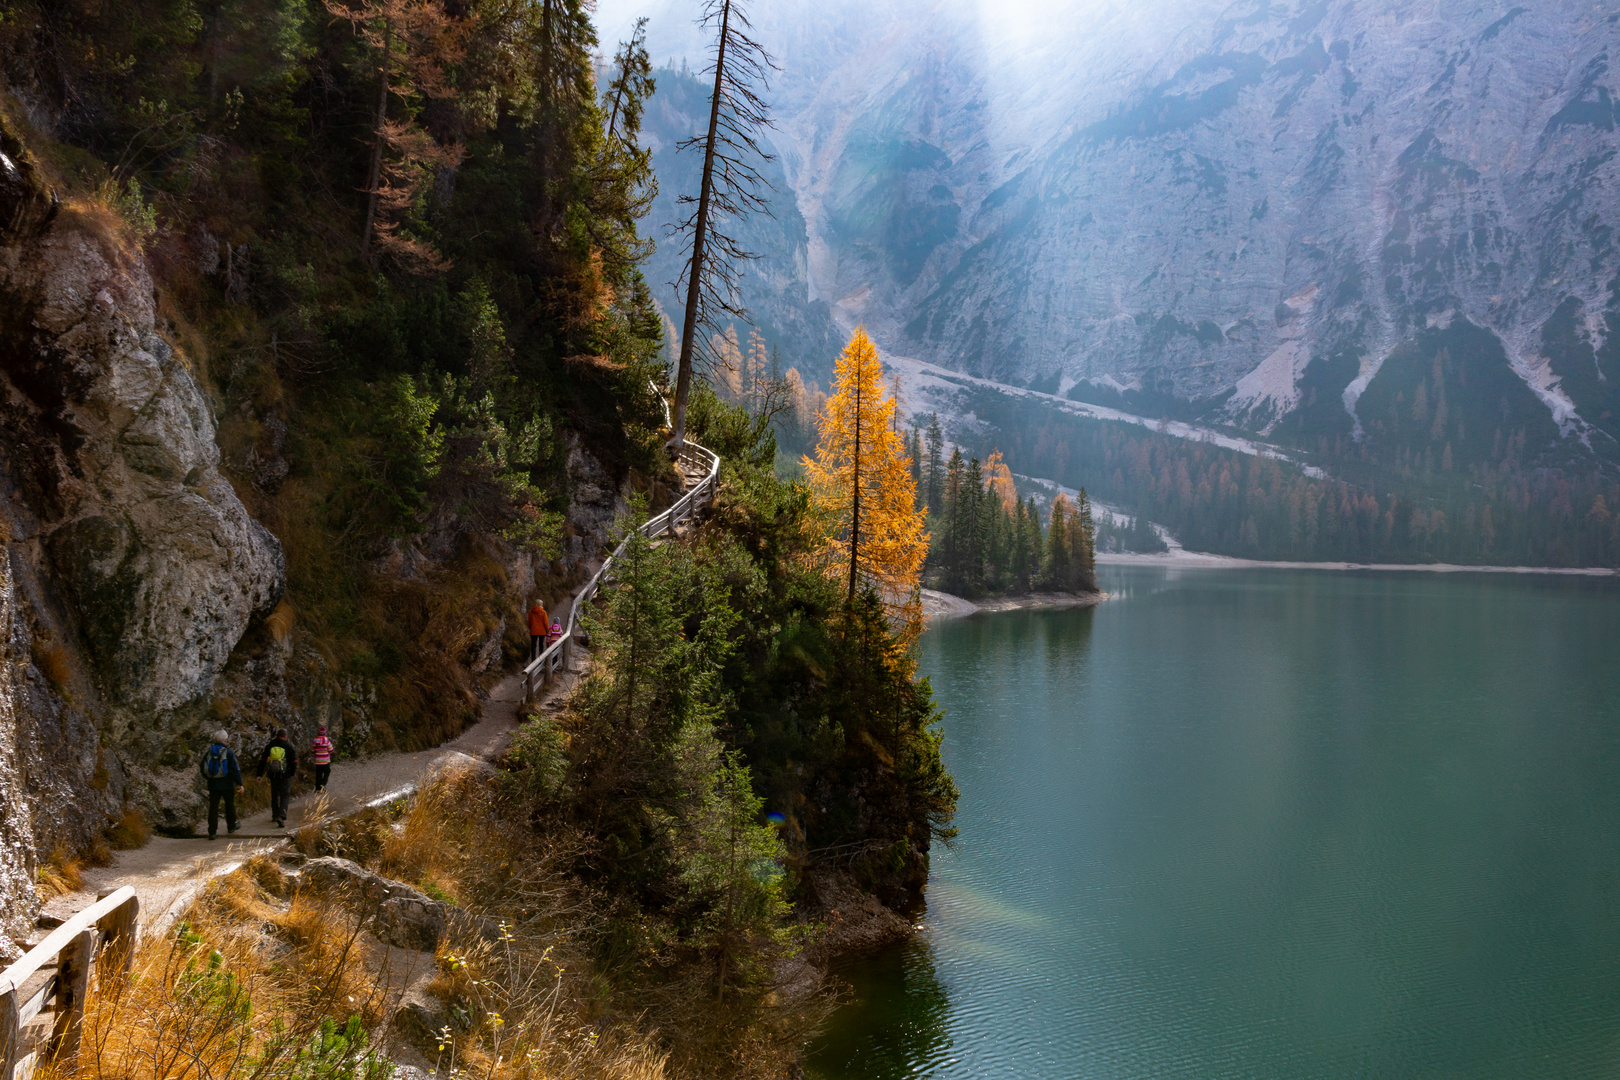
(1269,215)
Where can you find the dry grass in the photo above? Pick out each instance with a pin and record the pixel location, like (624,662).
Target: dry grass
(245,986)
(280,622)
(129,832)
(61,873)
(260,982)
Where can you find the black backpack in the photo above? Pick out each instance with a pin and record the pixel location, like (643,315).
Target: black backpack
(217,765)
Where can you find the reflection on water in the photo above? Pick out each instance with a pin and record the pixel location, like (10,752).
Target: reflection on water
(1268,823)
(895,1018)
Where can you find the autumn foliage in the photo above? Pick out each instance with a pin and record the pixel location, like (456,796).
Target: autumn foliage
(861,477)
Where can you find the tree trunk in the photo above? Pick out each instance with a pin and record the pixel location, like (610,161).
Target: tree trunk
(374,180)
(855,508)
(683,370)
(213,55)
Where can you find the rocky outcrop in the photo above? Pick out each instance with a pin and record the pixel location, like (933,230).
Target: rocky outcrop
(18,904)
(162,562)
(138,567)
(401,916)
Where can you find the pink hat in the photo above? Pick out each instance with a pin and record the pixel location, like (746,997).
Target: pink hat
(323,729)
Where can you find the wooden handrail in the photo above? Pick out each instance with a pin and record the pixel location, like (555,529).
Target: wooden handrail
(539,670)
(27,989)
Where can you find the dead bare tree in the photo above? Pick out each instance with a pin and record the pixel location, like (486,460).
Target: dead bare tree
(732,188)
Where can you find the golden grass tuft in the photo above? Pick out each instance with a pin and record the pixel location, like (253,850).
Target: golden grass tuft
(280,622)
(61,873)
(129,832)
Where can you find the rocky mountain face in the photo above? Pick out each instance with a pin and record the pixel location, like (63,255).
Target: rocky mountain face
(1282,217)
(18,904)
(133,570)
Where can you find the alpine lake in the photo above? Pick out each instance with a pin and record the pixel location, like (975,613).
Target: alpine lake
(1267,823)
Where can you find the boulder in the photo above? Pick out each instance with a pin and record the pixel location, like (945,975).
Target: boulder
(410,922)
(359,886)
(403,916)
(421,1015)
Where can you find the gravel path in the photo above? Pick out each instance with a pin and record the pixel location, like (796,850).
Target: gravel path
(167,872)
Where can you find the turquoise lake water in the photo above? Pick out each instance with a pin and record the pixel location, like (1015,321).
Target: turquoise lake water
(1268,823)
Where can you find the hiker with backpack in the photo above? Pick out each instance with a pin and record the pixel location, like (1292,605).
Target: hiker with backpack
(219,768)
(277,764)
(320,752)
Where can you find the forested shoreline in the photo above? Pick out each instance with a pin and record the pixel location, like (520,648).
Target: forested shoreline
(986,540)
(1503,511)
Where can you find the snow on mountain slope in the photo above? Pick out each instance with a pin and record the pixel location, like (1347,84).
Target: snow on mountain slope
(1239,213)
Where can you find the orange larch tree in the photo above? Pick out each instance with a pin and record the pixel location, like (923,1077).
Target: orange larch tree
(999,479)
(862,482)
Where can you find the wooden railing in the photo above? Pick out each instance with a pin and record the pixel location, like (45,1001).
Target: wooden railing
(695,458)
(42,995)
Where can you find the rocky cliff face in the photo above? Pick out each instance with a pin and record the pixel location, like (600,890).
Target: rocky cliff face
(18,904)
(1238,212)
(137,570)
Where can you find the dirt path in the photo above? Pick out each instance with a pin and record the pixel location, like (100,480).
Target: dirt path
(167,872)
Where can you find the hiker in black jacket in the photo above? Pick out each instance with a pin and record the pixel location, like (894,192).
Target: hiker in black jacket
(277,764)
(219,768)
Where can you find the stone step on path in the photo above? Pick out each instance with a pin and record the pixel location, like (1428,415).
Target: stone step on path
(169,871)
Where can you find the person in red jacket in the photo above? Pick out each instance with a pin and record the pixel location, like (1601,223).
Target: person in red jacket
(537,629)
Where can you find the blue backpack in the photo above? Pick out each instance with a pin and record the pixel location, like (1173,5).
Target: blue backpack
(217,765)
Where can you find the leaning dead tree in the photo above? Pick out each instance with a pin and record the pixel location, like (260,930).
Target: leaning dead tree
(732,187)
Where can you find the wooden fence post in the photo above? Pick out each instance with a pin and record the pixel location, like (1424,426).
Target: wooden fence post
(72,985)
(10,1034)
(119,932)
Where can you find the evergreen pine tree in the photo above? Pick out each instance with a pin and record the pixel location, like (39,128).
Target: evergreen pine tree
(934,473)
(953,509)
(1085,544)
(1059,568)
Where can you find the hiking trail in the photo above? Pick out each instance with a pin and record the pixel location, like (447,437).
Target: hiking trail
(168,871)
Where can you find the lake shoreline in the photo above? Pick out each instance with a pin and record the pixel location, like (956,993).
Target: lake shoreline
(944,605)
(1181,559)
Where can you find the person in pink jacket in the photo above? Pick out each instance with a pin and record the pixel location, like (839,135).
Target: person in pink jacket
(320,752)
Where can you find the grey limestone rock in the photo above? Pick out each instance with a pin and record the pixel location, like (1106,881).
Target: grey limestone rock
(19,906)
(403,916)
(355,882)
(136,552)
(1233,211)
(166,566)
(411,922)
